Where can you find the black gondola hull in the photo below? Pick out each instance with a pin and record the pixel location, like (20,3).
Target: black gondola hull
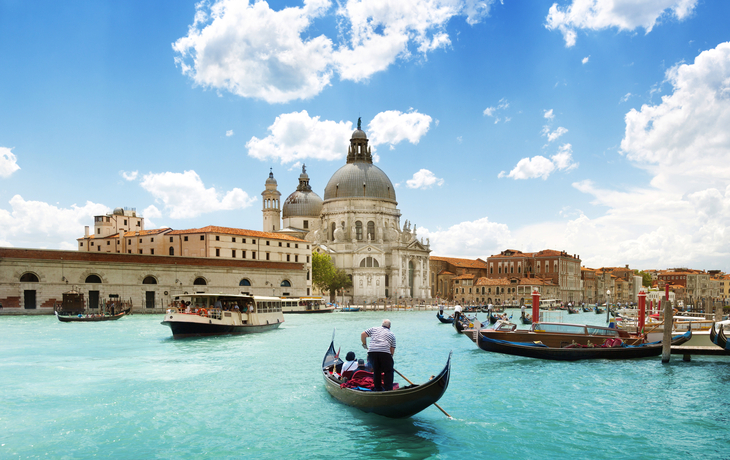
(444,320)
(400,403)
(575,354)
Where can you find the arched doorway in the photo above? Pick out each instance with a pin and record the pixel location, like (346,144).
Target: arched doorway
(29,295)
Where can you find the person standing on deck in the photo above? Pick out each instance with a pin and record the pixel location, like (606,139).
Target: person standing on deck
(380,354)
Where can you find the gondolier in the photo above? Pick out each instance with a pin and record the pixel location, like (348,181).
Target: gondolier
(380,354)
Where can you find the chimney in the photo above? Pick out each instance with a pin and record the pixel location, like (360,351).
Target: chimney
(86,231)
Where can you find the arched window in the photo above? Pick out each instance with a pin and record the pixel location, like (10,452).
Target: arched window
(28,278)
(500,269)
(149,280)
(512,269)
(358,230)
(332,231)
(172,251)
(93,279)
(200,282)
(371,230)
(369,262)
(285,283)
(519,269)
(244,282)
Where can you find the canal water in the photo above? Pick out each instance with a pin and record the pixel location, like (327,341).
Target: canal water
(125,390)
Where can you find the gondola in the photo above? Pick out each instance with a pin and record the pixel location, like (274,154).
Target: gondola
(402,402)
(462,322)
(718,337)
(527,319)
(598,311)
(441,318)
(541,351)
(572,311)
(586,309)
(492,319)
(88,319)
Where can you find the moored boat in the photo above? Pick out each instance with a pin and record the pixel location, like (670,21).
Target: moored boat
(402,402)
(561,334)
(611,349)
(718,337)
(223,314)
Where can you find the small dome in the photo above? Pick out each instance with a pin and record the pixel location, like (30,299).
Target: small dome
(302,204)
(118,212)
(359,134)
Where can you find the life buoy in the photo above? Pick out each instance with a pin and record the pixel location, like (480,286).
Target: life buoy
(203,312)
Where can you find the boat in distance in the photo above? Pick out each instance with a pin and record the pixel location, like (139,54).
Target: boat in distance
(305,305)
(80,318)
(205,314)
(399,403)
(577,352)
(560,334)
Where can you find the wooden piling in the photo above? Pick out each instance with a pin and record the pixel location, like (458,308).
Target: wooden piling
(668,323)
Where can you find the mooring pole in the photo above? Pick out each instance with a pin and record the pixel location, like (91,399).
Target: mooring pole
(668,322)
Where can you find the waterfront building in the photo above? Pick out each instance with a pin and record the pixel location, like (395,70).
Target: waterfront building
(561,268)
(515,291)
(443,270)
(358,224)
(34,280)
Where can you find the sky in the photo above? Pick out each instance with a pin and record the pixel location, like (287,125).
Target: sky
(601,128)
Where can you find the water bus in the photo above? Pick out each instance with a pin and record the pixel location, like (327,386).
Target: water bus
(305,305)
(202,314)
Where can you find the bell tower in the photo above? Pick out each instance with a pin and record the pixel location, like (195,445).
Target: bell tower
(271,199)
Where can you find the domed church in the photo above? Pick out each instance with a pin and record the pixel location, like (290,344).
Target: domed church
(358,225)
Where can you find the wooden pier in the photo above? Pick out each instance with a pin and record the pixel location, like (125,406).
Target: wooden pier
(687,351)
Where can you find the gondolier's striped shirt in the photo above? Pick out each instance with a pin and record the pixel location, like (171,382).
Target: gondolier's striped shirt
(381,340)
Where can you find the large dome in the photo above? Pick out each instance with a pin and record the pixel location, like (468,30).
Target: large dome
(359,180)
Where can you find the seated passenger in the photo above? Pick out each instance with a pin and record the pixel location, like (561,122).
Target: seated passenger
(350,365)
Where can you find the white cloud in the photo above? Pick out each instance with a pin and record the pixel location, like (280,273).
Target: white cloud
(129,175)
(554,135)
(469,239)
(622,14)
(424,179)
(530,168)
(151,212)
(626,97)
(31,222)
(254,51)
(539,166)
(229,133)
(192,199)
(392,127)
(585,60)
(297,136)
(684,141)
(549,114)
(8,162)
(493,111)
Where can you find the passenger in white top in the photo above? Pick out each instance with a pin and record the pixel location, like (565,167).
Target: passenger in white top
(350,365)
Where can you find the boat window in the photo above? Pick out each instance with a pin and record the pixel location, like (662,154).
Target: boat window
(602,331)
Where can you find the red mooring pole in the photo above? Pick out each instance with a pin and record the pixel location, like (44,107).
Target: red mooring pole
(642,314)
(535,306)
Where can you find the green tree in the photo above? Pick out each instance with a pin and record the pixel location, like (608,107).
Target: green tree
(645,278)
(327,277)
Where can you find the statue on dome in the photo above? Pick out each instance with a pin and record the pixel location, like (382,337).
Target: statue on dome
(358,123)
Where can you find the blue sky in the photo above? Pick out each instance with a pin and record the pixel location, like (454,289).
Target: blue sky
(599,128)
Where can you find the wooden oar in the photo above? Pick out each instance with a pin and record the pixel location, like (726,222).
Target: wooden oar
(406,379)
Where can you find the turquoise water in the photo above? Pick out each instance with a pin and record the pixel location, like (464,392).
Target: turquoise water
(126,390)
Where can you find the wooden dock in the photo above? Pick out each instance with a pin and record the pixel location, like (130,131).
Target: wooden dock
(687,351)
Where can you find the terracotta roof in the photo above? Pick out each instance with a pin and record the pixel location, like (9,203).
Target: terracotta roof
(462,263)
(445,272)
(512,253)
(128,234)
(465,276)
(238,232)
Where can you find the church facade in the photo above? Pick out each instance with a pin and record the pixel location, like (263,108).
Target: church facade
(358,224)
